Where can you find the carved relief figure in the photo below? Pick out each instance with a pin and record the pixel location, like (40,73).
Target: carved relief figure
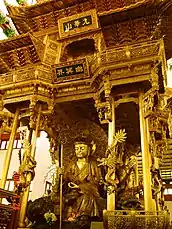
(121,162)
(157,187)
(127,187)
(27,166)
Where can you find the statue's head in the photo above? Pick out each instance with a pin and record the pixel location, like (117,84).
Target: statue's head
(82,148)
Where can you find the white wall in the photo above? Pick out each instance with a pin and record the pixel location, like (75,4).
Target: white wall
(43,162)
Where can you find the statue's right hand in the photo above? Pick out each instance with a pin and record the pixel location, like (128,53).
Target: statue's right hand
(72,185)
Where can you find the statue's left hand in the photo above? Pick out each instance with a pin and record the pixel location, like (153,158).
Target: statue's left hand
(73,185)
(102,161)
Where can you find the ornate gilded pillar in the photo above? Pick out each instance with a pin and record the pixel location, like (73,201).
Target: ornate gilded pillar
(146,158)
(158,125)
(106,114)
(10,149)
(111,132)
(1,102)
(25,194)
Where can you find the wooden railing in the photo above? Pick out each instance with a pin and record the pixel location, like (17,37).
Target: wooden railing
(9,213)
(119,56)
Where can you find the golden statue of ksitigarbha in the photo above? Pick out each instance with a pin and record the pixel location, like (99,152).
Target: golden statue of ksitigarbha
(85,182)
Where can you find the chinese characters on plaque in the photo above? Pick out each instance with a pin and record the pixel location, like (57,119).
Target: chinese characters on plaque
(78,23)
(69,70)
(72,70)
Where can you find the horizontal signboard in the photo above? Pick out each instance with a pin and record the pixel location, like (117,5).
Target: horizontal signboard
(71,70)
(78,23)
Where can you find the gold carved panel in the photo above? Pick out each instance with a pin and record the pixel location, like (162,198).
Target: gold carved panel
(78,23)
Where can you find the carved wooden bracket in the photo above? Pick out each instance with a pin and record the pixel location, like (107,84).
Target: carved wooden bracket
(153,101)
(6,120)
(104,112)
(104,108)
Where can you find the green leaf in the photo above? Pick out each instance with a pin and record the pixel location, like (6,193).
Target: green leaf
(2,19)
(20,2)
(9,32)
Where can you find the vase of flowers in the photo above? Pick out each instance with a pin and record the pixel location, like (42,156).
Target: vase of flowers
(50,218)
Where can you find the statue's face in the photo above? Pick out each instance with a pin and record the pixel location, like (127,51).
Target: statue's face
(81,150)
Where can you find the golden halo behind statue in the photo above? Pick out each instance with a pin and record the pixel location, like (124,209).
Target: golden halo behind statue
(86,129)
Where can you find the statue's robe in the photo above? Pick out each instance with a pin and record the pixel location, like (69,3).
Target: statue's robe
(84,201)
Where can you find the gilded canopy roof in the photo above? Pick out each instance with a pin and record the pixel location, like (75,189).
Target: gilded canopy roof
(45,15)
